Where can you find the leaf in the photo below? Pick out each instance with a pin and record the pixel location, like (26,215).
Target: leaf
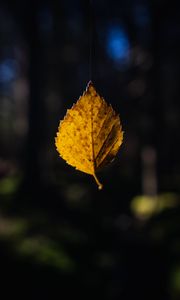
(90,135)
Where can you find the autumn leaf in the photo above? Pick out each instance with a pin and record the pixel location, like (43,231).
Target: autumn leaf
(90,134)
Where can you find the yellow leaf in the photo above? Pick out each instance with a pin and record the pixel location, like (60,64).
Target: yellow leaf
(90,135)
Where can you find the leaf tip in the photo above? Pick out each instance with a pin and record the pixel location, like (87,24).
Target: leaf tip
(89,85)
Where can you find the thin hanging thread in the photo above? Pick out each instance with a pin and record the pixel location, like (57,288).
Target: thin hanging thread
(90,40)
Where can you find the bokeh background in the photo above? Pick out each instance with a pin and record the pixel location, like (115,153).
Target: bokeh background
(59,235)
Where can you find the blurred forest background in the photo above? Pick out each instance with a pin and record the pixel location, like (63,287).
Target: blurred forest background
(59,235)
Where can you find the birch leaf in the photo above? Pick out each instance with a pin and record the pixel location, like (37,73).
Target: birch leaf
(90,134)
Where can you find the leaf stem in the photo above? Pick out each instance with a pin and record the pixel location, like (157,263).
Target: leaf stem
(100,186)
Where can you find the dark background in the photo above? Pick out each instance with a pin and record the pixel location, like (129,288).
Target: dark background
(60,236)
